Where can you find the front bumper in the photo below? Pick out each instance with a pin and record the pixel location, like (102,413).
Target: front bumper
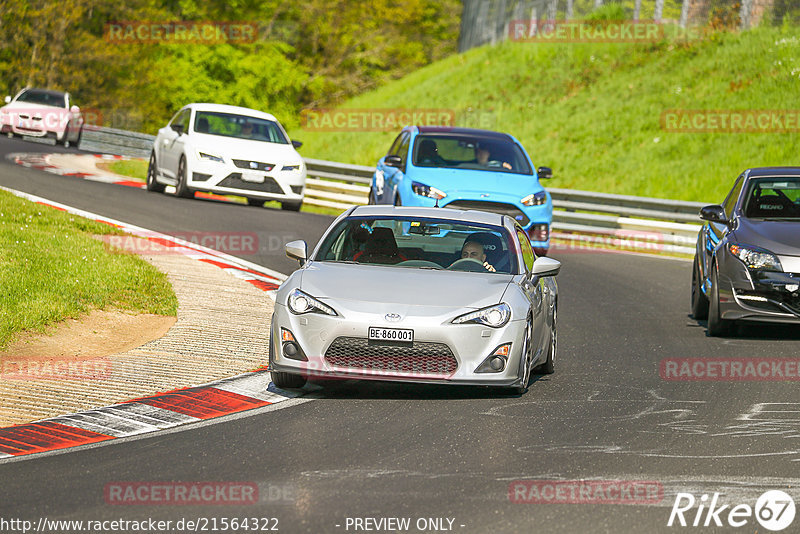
(228,179)
(758,296)
(469,345)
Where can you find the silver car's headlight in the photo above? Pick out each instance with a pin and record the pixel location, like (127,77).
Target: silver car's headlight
(209,157)
(494,316)
(300,303)
(756,258)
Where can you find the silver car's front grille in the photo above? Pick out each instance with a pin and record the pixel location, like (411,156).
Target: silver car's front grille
(419,358)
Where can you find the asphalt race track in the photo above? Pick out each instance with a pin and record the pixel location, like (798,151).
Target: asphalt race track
(379,450)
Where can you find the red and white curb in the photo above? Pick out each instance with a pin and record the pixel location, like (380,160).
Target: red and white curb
(165,410)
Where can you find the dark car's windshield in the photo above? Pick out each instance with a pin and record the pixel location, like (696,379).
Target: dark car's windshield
(421,244)
(240,126)
(45,98)
(773,198)
(470,152)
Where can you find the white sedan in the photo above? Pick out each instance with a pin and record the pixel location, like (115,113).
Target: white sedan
(42,113)
(228,150)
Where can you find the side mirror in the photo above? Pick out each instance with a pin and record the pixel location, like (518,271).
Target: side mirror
(546,267)
(297,144)
(8,99)
(713,213)
(544,172)
(178,128)
(393,161)
(297,250)
(75,109)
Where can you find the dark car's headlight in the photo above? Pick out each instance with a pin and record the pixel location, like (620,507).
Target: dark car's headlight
(494,316)
(427,191)
(300,303)
(536,199)
(756,258)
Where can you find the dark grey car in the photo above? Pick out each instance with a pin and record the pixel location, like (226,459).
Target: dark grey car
(747,263)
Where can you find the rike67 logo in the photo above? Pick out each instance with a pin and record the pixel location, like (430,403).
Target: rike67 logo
(774,510)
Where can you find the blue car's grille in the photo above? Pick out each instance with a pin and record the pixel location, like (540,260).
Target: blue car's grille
(493,207)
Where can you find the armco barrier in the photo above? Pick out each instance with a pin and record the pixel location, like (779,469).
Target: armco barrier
(647,224)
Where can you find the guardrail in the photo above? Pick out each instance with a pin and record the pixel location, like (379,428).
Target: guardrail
(581,219)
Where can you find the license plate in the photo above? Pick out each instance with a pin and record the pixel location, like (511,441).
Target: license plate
(390,334)
(253,177)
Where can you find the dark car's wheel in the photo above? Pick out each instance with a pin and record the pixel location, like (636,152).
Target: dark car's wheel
(255,202)
(717,326)
(287,380)
(292,206)
(699,299)
(152,184)
(549,365)
(397,201)
(181,189)
(371,199)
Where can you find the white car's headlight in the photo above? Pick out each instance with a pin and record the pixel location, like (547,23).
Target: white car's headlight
(494,316)
(536,199)
(291,168)
(300,303)
(756,258)
(209,157)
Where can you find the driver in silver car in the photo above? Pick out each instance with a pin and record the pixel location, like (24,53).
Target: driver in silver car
(473,249)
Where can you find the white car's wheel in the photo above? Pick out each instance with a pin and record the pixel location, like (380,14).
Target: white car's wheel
(181,189)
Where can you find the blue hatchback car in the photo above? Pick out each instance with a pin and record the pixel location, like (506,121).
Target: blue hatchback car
(464,168)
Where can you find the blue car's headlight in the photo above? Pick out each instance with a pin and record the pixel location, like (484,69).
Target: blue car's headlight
(300,303)
(756,258)
(494,316)
(536,199)
(427,191)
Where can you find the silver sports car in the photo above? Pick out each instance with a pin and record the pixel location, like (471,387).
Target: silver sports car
(413,294)
(747,264)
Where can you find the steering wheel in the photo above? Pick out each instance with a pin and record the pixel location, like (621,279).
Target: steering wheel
(468,264)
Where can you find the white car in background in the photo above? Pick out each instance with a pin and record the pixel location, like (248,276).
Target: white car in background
(228,150)
(42,113)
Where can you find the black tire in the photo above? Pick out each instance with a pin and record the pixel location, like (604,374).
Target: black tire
(287,380)
(521,388)
(699,299)
(717,326)
(371,199)
(549,365)
(541,252)
(397,201)
(65,141)
(181,189)
(292,206)
(152,184)
(78,140)
(256,202)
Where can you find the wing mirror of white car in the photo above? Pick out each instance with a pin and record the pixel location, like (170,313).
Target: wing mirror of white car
(8,99)
(297,144)
(75,109)
(297,250)
(546,267)
(178,128)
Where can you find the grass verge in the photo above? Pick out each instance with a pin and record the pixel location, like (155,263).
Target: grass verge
(51,268)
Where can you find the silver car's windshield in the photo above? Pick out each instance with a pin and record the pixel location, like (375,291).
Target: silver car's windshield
(773,198)
(470,152)
(420,244)
(240,126)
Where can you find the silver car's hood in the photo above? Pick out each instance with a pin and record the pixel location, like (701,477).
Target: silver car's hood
(780,237)
(378,284)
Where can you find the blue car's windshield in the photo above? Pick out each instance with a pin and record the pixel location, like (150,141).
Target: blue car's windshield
(773,198)
(421,244)
(470,152)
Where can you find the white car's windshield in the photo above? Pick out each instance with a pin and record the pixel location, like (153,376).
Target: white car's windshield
(45,98)
(239,126)
(421,244)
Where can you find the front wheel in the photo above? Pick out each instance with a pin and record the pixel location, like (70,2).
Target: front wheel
(152,184)
(717,326)
(292,206)
(549,365)
(699,299)
(371,198)
(287,380)
(182,189)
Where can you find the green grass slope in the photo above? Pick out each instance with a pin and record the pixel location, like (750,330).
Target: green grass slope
(593,111)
